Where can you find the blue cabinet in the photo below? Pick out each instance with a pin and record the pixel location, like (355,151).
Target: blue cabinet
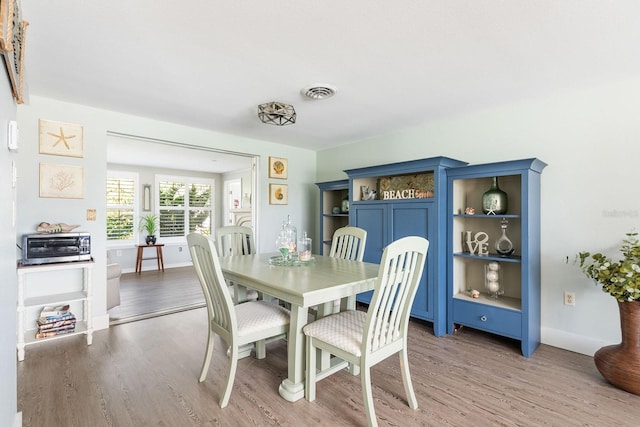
(516,312)
(395,214)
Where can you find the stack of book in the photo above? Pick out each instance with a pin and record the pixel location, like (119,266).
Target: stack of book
(54,321)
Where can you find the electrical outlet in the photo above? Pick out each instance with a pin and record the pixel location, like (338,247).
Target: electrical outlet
(569,298)
(179,248)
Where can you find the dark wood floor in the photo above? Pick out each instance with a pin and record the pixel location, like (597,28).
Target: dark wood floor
(154,293)
(145,374)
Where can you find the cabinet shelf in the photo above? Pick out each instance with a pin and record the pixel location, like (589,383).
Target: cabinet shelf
(56,299)
(490,257)
(485,216)
(502,302)
(30,334)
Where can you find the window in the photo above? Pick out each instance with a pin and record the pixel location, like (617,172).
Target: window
(121,206)
(184,206)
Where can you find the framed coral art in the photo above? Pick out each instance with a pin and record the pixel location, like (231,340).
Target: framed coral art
(61,181)
(60,139)
(278,194)
(278,168)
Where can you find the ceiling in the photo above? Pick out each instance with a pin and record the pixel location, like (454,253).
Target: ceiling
(395,64)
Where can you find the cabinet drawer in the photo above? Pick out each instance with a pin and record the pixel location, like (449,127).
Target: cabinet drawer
(487,318)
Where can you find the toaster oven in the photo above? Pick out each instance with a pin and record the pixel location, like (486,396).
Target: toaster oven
(58,247)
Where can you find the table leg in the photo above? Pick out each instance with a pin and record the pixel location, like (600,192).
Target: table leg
(139,260)
(292,388)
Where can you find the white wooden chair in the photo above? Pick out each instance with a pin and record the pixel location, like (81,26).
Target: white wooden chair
(348,243)
(235,240)
(236,325)
(365,338)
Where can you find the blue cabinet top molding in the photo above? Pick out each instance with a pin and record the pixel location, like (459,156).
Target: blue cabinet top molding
(410,166)
(498,168)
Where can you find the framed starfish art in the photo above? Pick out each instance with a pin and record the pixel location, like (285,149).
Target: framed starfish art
(60,139)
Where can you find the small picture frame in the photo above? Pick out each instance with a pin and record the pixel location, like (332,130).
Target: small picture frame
(60,139)
(61,181)
(278,194)
(278,168)
(146,197)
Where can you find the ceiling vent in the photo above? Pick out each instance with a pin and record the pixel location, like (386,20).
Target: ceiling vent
(318,91)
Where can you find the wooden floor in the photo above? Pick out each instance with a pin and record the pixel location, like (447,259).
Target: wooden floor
(145,374)
(153,293)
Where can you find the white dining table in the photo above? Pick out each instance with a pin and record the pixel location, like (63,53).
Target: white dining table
(317,283)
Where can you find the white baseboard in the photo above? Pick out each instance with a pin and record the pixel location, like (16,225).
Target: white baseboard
(17,422)
(572,342)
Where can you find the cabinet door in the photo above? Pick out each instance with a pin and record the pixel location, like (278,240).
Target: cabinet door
(417,219)
(372,218)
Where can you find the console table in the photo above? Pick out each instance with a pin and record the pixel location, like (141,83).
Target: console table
(158,257)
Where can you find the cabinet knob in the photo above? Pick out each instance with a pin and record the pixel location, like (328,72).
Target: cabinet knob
(483,318)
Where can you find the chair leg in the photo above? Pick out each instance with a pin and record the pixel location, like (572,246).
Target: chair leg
(406,379)
(261,349)
(367,396)
(207,356)
(233,364)
(310,377)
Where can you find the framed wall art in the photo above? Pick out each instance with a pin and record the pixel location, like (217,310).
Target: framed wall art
(12,38)
(278,194)
(61,181)
(60,139)
(278,168)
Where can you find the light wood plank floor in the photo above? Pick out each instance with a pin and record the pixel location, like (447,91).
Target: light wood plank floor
(153,293)
(145,374)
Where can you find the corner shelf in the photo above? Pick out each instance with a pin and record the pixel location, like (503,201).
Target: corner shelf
(332,193)
(516,314)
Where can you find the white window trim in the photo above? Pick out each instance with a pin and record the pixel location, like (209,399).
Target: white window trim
(187,180)
(119,174)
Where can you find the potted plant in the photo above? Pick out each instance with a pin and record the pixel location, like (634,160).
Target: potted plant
(620,364)
(148,223)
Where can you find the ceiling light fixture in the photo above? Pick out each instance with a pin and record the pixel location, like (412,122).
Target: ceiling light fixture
(319,91)
(277,113)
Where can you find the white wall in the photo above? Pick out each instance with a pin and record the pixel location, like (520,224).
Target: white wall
(590,195)
(9,287)
(96,123)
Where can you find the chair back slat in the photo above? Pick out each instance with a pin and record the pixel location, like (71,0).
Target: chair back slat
(235,240)
(400,271)
(216,292)
(348,243)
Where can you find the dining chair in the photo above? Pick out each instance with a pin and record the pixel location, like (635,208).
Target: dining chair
(364,339)
(237,240)
(347,243)
(236,325)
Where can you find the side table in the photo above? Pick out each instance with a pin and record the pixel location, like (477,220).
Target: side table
(158,256)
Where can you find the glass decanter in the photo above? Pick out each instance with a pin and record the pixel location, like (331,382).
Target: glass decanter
(504,247)
(283,243)
(292,236)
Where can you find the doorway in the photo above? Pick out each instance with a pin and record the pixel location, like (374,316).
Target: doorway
(235,177)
